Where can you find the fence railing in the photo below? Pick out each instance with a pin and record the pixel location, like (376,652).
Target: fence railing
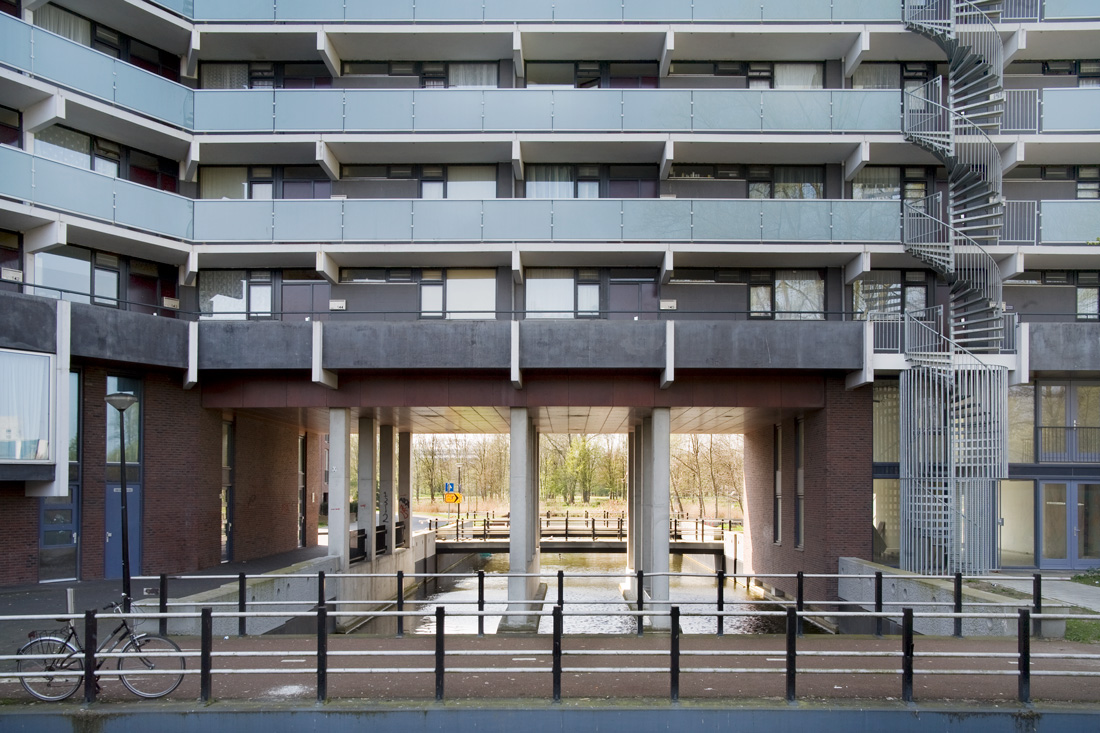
(360,656)
(1069,444)
(595,526)
(1021,223)
(1021,112)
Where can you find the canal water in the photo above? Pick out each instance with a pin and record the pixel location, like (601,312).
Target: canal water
(592,597)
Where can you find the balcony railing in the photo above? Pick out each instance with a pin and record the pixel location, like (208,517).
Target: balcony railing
(1039,10)
(1021,222)
(1069,445)
(1021,111)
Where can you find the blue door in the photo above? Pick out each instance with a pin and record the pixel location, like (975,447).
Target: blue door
(113,546)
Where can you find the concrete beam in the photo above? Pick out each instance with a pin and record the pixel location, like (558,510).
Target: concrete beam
(1021,374)
(666,52)
(860,264)
(517,267)
(517,54)
(189,168)
(59,408)
(859,157)
(404,485)
(189,270)
(1016,43)
(517,160)
(667,156)
(329,55)
(45,237)
(517,376)
(328,160)
(327,267)
(192,376)
(1013,156)
(387,487)
(860,46)
(191,60)
(668,374)
(46,113)
(866,375)
(339,476)
(1012,265)
(321,375)
(666,267)
(33,5)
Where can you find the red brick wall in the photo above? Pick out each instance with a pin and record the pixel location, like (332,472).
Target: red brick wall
(265,508)
(181,529)
(19,551)
(838,492)
(315,486)
(93,491)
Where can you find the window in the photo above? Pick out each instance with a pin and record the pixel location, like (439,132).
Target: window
(886,422)
(786,182)
(10,254)
(25,380)
(1088,182)
(877,76)
(264,75)
(563,181)
(106,157)
(777,484)
(1088,296)
(889,291)
(64,23)
(132,386)
(886,518)
(10,127)
(65,146)
(11,7)
(633,182)
(799,295)
(458,294)
(235,295)
(1021,423)
(1069,422)
(800,483)
(471,182)
(877,182)
(263,183)
(64,272)
(558,292)
(593,74)
(798,76)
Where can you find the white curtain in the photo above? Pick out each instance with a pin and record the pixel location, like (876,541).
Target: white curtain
(877,182)
(64,23)
(471,182)
(472,76)
(224,76)
(799,76)
(24,406)
(474,290)
(799,295)
(64,146)
(223,183)
(549,181)
(877,76)
(549,292)
(799,182)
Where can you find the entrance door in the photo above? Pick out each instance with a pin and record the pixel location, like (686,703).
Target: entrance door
(59,524)
(1071,525)
(113,547)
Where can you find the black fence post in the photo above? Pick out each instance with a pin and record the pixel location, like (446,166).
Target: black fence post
(800,601)
(620,529)
(558,627)
(907,655)
(721,602)
(163,605)
(206,646)
(641,593)
(322,653)
(242,604)
(567,525)
(1023,635)
(958,604)
(440,615)
(792,636)
(561,589)
(320,587)
(480,603)
(674,655)
(400,603)
(878,603)
(1037,602)
(91,641)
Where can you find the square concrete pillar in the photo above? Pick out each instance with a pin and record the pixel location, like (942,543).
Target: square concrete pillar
(404,485)
(339,475)
(631,473)
(523,510)
(646,502)
(368,470)
(658,496)
(387,484)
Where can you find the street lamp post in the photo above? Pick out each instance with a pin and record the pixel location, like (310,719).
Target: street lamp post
(121,401)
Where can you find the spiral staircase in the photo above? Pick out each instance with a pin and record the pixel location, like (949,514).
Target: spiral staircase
(953,406)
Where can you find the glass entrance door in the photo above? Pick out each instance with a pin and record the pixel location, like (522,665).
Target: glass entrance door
(1071,525)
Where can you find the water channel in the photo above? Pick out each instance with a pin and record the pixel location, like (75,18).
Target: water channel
(591,585)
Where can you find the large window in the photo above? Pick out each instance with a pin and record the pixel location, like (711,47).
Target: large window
(558,292)
(106,157)
(886,422)
(1069,422)
(79,275)
(133,431)
(563,181)
(889,291)
(593,74)
(786,182)
(799,295)
(10,127)
(800,483)
(24,406)
(886,520)
(264,183)
(766,75)
(1017,525)
(235,295)
(1021,424)
(777,484)
(458,294)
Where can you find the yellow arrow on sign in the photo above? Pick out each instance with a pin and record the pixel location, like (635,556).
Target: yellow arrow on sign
(453,498)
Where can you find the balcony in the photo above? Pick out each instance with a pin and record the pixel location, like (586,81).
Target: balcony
(1069,445)
(1037,111)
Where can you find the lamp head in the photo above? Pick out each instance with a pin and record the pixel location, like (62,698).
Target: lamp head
(121,400)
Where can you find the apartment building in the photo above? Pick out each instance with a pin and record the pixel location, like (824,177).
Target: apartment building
(861,233)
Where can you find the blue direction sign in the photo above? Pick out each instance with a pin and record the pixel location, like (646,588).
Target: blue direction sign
(449,488)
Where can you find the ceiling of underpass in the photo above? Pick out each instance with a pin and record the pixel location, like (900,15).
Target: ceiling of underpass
(474,419)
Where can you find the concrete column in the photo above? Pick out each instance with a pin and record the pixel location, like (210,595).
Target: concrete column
(658,509)
(646,503)
(523,508)
(339,474)
(387,483)
(404,485)
(368,469)
(631,472)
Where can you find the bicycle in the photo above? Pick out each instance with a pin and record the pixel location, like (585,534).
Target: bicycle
(58,658)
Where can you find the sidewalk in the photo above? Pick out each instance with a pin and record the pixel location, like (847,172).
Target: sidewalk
(1063,591)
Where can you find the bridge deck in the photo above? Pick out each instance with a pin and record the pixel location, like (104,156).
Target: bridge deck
(566,546)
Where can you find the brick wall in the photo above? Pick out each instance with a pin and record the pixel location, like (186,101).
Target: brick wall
(19,551)
(838,492)
(315,486)
(93,466)
(265,490)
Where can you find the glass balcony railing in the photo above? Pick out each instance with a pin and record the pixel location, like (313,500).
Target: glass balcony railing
(1069,222)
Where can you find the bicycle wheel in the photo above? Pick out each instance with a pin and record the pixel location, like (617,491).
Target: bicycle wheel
(154,675)
(55,678)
